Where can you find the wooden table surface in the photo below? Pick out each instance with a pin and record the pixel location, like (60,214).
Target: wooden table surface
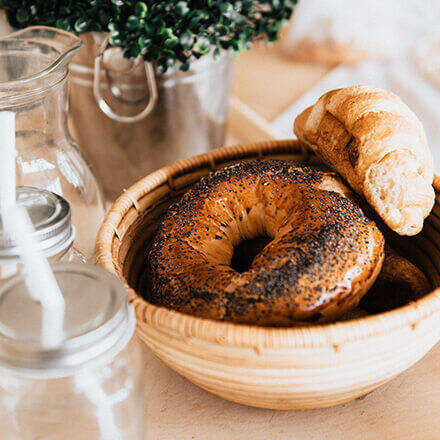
(268,81)
(407,408)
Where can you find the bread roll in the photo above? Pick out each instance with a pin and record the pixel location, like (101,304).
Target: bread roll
(398,283)
(370,137)
(317,253)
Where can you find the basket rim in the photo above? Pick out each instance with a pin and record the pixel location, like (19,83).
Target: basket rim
(241,335)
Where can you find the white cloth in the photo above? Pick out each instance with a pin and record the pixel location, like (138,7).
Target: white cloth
(392,32)
(385,28)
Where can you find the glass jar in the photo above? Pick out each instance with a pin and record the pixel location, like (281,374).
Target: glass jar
(33,85)
(50,216)
(90,387)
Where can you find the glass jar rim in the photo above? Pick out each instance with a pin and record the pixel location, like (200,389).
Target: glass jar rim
(108,335)
(53,228)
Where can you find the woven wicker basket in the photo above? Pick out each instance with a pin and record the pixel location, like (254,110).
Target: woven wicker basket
(295,368)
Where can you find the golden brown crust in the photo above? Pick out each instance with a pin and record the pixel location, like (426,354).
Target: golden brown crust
(370,137)
(323,257)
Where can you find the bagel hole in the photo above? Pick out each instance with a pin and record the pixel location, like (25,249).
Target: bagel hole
(246,251)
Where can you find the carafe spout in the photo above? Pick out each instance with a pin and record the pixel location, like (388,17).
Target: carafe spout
(32,61)
(65,44)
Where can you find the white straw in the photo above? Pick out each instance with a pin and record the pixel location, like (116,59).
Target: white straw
(39,278)
(7,160)
(90,383)
(7,174)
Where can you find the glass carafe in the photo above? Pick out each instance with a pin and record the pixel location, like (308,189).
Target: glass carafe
(33,85)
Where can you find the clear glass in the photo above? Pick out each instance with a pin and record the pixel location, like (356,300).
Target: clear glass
(101,403)
(33,84)
(10,267)
(69,255)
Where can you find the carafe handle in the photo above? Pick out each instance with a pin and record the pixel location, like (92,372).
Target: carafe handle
(106,109)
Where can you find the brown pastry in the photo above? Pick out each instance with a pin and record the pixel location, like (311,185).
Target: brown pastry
(356,313)
(398,283)
(320,256)
(370,137)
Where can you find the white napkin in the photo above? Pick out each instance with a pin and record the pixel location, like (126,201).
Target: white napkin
(400,77)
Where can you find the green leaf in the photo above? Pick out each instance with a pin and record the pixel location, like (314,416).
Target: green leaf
(114,31)
(187,40)
(144,41)
(63,23)
(203,46)
(22,15)
(225,7)
(184,67)
(182,8)
(235,53)
(166,32)
(115,41)
(141,9)
(171,61)
(132,22)
(216,54)
(81,25)
(171,42)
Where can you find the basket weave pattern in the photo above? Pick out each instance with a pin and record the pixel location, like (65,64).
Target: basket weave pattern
(305,367)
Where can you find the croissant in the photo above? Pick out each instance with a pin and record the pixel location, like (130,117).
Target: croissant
(370,137)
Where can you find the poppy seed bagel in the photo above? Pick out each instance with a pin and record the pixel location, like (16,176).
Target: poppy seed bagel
(323,255)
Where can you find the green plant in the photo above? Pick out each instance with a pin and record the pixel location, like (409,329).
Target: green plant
(167,32)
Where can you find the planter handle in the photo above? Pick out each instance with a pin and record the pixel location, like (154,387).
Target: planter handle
(106,109)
